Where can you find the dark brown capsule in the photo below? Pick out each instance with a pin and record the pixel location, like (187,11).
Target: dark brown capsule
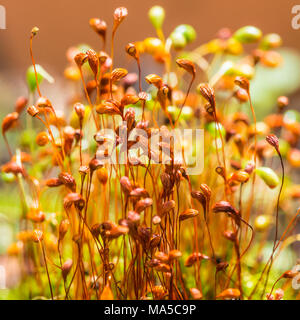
(208,94)
(126,185)
(21,104)
(9,120)
(95,164)
(194,257)
(80,110)
(139,193)
(66,268)
(243,83)
(93,61)
(74,198)
(224,206)
(99,26)
(68,180)
(187,65)
(143,204)
(273,141)
(282,102)
(63,228)
(12,167)
(188,213)
(53,182)
(43,102)
(33,111)
(80,59)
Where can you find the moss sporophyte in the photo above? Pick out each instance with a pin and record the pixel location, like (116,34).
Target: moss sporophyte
(106,214)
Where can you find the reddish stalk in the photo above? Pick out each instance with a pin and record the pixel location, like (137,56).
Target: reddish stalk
(46,265)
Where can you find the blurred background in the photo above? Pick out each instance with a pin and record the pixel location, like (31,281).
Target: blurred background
(65,23)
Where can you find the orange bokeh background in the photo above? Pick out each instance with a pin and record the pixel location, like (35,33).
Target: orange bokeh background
(64,23)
